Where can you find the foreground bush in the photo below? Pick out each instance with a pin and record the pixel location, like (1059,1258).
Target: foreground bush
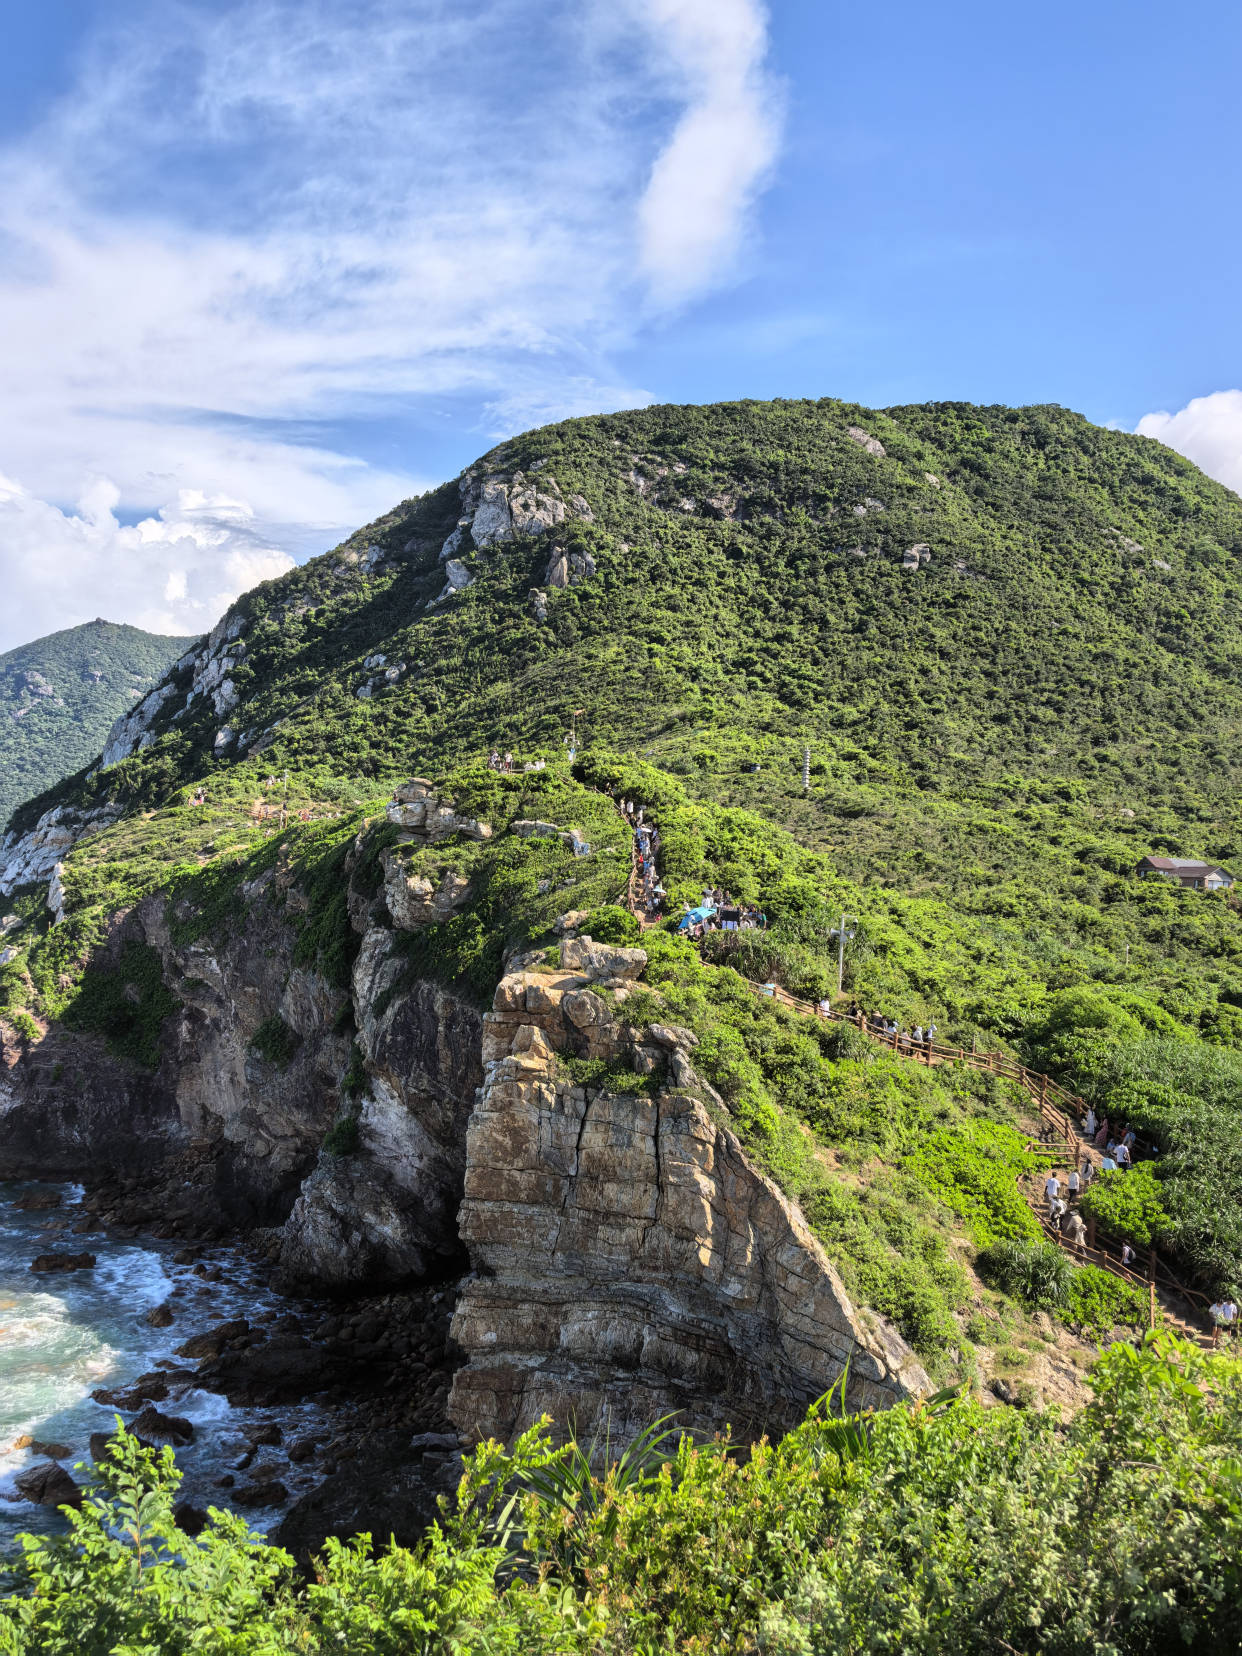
(935,1529)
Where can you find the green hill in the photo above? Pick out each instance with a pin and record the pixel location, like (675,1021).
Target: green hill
(60,695)
(1010,642)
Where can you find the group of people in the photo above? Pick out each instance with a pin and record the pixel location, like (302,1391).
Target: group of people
(651,892)
(498,762)
(908,1041)
(1118,1147)
(721,911)
(1062,1212)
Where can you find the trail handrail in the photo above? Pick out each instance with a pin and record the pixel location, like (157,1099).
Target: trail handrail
(1040,1089)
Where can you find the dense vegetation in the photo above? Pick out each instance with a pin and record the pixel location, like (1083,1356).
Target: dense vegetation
(60,694)
(995,737)
(928,1530)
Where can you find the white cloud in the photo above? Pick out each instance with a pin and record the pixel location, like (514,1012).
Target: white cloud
(1208,431)
(173,573)
(693,213)
(246,222)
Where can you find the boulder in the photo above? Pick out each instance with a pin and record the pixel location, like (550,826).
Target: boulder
(50,1263)
(148,1388)
(865,440)
(162,1428)
(417,789)
(601,960)
(38,1201)
(48,1485)
(160,1316)
(212,1343)
(263,1492)
(46,1451)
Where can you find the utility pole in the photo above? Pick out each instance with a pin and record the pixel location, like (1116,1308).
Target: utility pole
(843,936)
(806,770)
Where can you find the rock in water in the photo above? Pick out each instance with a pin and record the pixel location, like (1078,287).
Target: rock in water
(48,1263)
(162,1428)
(48,1485)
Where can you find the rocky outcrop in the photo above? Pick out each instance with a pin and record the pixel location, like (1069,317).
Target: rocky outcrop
(865,440)
(502,507)
(628,1258)
(27,859)
(386,1211)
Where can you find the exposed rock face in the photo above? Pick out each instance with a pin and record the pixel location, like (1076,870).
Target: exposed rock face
(132,730)
(864,439)
(628,1258)
(31,857)
(387,1212)
(500,508)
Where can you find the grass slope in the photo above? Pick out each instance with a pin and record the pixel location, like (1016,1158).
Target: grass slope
(59,695)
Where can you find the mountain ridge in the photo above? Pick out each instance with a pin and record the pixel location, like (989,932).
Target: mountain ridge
(59,695)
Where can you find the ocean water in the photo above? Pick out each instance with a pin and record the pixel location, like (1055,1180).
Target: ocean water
(63,1336)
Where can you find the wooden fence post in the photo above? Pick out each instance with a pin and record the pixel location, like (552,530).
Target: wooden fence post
(1151,1290)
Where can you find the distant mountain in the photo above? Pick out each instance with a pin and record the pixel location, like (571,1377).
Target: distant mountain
(59,695)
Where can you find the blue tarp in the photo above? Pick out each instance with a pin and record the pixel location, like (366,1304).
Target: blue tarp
(694,915)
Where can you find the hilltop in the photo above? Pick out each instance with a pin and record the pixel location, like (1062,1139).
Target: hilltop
(60,694)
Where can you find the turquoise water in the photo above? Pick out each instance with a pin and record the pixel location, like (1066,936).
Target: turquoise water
(64,1336)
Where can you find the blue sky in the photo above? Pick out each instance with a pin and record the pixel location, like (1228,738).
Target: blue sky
(265,268)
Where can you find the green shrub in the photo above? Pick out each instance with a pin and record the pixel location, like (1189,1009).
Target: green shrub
(344,1137)
(126,1002)
(612,924)
(1034,1271)
(275,1042)
(1096,1302)
(973,1168)
(1128,1204)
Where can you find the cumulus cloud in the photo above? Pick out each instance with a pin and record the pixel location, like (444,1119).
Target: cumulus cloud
(1208,431)
(247,227)
(172,573)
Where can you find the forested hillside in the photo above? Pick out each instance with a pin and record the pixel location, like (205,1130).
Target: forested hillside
(59,695)
(1010,641)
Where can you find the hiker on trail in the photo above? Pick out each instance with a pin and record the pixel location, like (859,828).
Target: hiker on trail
(918,1034)
(1089,1125)
(769,989)
(1123,1155)
(1075,1232)
(825,1007)
(493,760)
(903,1038)
(509,762)
(1052,1188)
(931,1033)
(1101,1137)
(1056,1208)
(1128,1255)
(1107,1164)
(1088,1171)
(1224,1315)
(1073,1184)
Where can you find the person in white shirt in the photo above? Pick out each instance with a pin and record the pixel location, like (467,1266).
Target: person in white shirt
(1073,1182)
(1090,1124)
(1052,1189)
(1224,1315)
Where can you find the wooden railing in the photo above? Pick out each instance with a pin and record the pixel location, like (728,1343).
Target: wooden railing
(1060,1112)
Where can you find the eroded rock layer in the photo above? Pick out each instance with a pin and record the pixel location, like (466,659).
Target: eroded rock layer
(628,1258)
